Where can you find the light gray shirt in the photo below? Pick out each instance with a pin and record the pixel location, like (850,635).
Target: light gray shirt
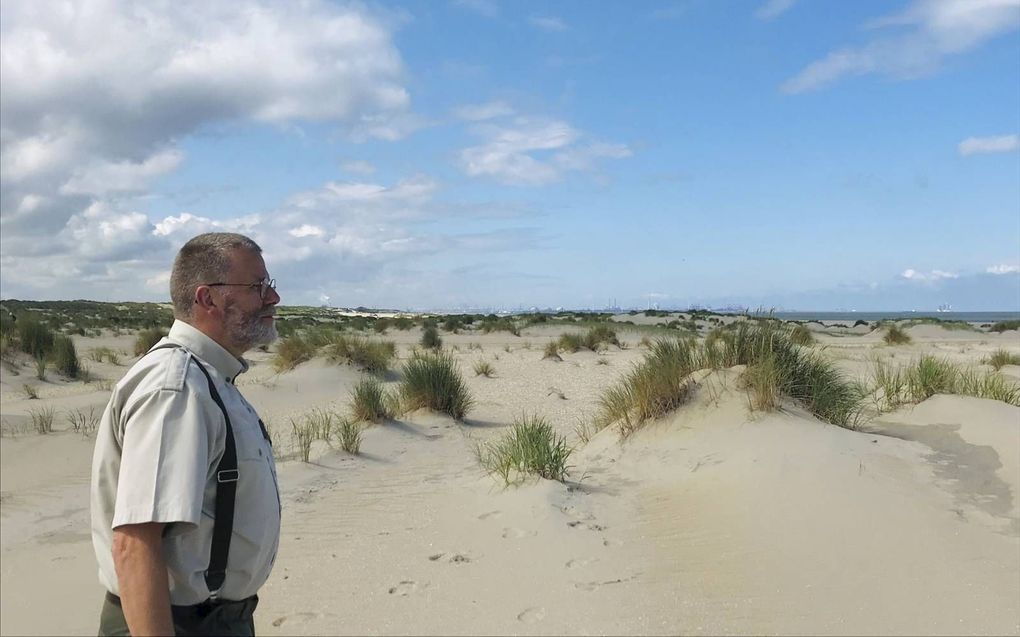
(157,449)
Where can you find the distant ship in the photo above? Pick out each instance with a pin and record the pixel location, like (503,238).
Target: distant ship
(945,307)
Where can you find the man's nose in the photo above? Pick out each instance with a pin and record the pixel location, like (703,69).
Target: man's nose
(272,298)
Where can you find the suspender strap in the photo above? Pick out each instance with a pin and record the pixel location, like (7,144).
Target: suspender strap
(226,490)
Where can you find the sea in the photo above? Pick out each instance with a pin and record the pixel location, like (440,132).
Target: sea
(970,317)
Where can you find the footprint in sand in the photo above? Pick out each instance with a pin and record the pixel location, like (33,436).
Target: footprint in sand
(579,563)
(513,533)
(404,588)
(298,616)
(591,586)
(531,615)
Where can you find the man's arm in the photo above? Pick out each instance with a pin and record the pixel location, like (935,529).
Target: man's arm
(142,578)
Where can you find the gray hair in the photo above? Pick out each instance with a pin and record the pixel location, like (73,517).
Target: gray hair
(204,259)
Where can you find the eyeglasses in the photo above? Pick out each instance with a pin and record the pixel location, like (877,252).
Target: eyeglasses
(263,286)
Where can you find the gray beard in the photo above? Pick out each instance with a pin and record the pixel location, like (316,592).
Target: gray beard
(250,331)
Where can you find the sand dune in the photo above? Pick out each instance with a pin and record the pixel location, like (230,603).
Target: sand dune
(713,520)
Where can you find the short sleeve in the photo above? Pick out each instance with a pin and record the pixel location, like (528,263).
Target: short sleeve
(169,438)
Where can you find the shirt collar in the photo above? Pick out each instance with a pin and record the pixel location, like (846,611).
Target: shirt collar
(208,350)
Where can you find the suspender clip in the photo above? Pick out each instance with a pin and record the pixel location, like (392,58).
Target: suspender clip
(229,475)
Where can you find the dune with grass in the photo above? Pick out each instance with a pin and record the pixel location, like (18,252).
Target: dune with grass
(681,473)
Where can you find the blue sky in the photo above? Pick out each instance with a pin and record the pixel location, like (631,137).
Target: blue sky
(803,154)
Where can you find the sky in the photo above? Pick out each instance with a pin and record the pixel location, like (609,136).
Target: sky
(455,154)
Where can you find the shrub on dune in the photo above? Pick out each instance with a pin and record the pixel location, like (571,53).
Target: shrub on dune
(802,336)
(291,351)
(896,335)
(531,447)
(929,376)
(1000,358)
(552,350)
(1003,326)
(600,335)
(571,342)
(349,433)
(34,338)
(483,368)
(430,338)
(655,387)
(147,338)
(432,380)
(372,356)
(65,357)
(368,401)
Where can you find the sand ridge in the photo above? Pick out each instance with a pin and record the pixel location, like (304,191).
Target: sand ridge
(713,520)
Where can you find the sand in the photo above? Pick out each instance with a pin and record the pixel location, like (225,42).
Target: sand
(713,520)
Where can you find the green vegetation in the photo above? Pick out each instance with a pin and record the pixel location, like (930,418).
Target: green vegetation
(147,339)
(432,380)
(802,336)
(85,423)
(369,401)
(929,376)
(652,389)
(1003,326)
(349,433)
(292,351)
(552,350)
(303,434)
(530,448)
(42,419)
(452,324)
(34,338)
(595,339)
(372,356)
(430,338)
(776,367)
(493,324)
(1001,358)
(896,335)
(99,353)
(483,368)
(65,357)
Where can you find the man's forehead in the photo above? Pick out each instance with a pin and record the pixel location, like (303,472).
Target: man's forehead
(248,262)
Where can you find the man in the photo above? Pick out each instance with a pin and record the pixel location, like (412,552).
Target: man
(185,503)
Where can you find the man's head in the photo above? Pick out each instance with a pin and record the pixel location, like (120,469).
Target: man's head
(220,285)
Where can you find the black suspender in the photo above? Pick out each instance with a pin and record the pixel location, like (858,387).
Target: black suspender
(226,491)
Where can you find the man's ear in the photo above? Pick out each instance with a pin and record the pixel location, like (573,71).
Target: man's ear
(204,298)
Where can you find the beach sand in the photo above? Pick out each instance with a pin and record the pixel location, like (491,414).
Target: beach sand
(712,520)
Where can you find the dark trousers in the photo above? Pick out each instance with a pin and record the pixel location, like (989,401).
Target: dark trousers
(207,618)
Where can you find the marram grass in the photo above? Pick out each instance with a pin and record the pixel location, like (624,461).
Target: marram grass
(531,447)
(432,380)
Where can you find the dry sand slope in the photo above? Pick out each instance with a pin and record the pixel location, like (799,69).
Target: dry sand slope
(714,520)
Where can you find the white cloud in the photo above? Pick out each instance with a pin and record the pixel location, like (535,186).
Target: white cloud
(934,275)
(101,176)
(773,9)
(931,31)
(548,23)
(480,112)
(358,167)
(97,96)
(982,145)
(306,230)
(521,153)
(1003,268)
